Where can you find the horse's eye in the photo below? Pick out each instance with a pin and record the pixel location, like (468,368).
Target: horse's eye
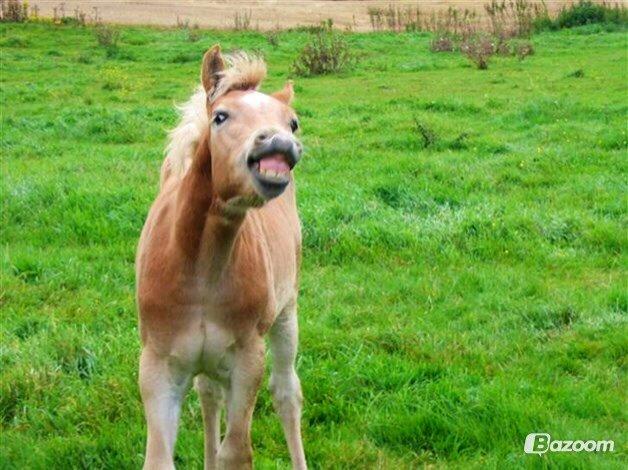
(294,125)
(220,117)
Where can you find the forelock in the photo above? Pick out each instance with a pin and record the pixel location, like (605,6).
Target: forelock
(243,72)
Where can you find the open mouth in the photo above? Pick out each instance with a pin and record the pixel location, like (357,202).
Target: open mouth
(272,170)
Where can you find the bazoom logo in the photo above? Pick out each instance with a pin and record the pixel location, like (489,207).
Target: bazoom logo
(539,443)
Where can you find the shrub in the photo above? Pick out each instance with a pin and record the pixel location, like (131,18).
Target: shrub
(242,21)
(393,18)
(193,34)
(376,17)
(396,18)
(503,47)
(273,38)
(582,13)
(478,49)
(183,24)
(107,38)
(544,23)
(497,16)
(192,31)
(442,42)
(587,12)
(14,11)
(524,15)
(515,18)
(523,50)
(79,18)
(326,52)
(311,29)
(412,19)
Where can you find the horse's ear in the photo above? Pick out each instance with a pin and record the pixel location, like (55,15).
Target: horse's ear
(212,66)
(286,94)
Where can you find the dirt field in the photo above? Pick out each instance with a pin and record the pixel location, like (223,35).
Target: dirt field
(263,14)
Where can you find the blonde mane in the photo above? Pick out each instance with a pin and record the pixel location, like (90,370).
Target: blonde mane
(242,72)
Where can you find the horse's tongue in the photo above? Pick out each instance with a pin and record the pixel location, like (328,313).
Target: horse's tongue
(275,162)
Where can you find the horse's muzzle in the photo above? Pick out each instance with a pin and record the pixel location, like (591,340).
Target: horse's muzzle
(277,143)
(270,161)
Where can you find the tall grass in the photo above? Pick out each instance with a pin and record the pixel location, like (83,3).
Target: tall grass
(242,20)
(15,11)
(501,18)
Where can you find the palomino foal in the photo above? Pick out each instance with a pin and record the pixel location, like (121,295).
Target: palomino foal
(217,266)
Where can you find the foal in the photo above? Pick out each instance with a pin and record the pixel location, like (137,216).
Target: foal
(217,266)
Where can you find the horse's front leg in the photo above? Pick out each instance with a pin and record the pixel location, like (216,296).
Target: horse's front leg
(162,386)
(246,375)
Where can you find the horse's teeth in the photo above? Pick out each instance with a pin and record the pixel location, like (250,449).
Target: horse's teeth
(272,173)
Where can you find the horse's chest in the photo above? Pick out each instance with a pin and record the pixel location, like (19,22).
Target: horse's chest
(207,341)
(203,345)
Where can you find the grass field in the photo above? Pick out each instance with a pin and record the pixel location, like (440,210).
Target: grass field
(455,296)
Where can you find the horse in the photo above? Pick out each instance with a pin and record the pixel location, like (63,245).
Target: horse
(217,266)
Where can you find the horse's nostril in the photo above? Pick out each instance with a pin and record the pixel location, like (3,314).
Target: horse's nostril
(260,138)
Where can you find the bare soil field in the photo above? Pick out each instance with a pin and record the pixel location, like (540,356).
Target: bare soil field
(263,14)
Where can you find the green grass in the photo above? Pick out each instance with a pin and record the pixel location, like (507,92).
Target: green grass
(455,296)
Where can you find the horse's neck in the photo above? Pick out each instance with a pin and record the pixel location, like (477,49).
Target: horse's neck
(204,232)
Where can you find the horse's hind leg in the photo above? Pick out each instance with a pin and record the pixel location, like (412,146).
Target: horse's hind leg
(235,451)
(284,382)
(211,396)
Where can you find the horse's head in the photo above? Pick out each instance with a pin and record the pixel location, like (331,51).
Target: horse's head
(251,134)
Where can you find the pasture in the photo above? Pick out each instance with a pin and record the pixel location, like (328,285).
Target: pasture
(464,274)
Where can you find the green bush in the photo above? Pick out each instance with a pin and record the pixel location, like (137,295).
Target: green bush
(583,13)
(478,49)
(327,52)
(107,38)
(545,23)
